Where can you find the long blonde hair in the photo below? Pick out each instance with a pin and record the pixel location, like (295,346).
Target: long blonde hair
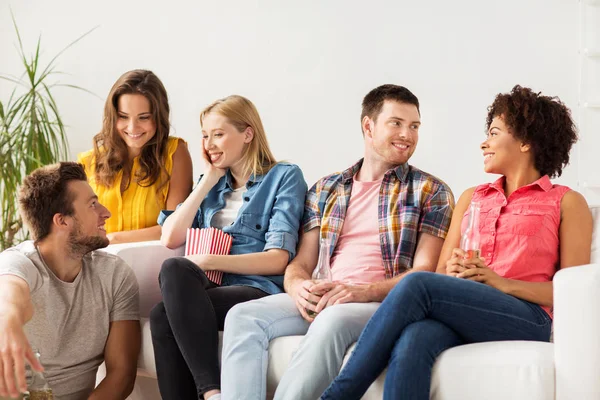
(257,158)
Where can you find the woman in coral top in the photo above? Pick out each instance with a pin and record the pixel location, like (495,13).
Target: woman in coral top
(135,168)
(529,227)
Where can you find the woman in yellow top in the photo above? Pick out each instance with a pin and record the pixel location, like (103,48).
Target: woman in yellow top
(135,168)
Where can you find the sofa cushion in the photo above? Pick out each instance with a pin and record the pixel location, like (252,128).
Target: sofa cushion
(495,371)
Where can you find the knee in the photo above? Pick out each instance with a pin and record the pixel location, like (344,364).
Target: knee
(240,315)
(173,269)
(235,315)
(339,326)
(417,277)
(331,320)
(415,280)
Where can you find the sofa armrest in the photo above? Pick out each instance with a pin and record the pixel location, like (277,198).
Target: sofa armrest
(577,332)
(145,258)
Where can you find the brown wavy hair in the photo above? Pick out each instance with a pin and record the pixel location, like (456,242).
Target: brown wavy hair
(543,122)
(110,150)
(45,192)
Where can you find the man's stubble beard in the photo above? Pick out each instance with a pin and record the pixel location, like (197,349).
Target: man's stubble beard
(80,245)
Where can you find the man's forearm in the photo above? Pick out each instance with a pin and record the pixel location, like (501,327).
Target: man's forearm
(378,290)
(15,301)
(115,386)
(295,272)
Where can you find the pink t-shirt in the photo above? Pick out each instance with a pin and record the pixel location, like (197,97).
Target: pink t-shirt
(356,258)
(520,234)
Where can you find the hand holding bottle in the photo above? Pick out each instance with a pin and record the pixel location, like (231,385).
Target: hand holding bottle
(37,385)
(304,299)
(16,352)
(321,274)
(456,265)
(477,270)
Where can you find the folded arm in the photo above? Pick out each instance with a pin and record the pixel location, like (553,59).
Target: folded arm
(270,262)
(120,355)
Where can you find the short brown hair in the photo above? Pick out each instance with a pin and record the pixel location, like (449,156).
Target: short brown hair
(45,192)
(543,122)
(373,101)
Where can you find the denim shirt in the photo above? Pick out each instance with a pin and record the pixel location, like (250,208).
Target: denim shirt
(268,219)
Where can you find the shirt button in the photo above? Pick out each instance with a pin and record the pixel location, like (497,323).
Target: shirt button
(258,226)
(246,198)
(489,254)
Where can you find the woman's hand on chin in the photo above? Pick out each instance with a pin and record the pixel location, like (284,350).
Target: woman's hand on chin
(208,167)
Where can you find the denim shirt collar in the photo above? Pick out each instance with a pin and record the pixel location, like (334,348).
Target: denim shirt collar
(401,171)
(227,181)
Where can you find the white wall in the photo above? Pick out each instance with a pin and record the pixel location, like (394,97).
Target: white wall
(307,65)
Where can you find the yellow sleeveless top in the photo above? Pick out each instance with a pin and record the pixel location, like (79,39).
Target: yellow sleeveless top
(138,206)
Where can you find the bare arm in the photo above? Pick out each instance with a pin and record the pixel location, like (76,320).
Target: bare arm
(136,235)
(270,262)
(575,235)
(297,280)
(16,309)
(180,187)
(176,225)
(453,238)
(426,256)
(182,178)
(120,355)
(575,238)
(301,267)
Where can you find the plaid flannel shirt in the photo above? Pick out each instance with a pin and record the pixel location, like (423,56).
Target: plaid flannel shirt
(410,202)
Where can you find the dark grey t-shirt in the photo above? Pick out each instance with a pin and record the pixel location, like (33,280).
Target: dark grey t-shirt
(71,320)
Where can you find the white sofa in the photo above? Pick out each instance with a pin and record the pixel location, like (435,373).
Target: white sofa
(567,369)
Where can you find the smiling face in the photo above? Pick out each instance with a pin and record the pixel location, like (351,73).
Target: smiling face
(501,149)
(135,123)
(89,216)
(223,143)
(393,136)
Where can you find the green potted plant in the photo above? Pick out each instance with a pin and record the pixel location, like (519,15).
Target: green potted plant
(32,134)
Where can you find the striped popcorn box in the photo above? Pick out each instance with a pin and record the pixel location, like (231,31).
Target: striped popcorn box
(208,241)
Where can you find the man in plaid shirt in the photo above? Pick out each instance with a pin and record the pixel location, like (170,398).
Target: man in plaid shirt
(384,219)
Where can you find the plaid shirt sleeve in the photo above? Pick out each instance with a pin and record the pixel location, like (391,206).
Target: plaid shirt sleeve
(312,213)
(437,212)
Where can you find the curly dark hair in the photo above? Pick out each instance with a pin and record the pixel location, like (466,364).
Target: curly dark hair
(543,122)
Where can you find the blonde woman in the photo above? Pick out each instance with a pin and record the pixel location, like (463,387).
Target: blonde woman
(135,167)
(258,201)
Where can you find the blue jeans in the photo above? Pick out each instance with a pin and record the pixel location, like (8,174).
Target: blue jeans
(425,314)
(249,327)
